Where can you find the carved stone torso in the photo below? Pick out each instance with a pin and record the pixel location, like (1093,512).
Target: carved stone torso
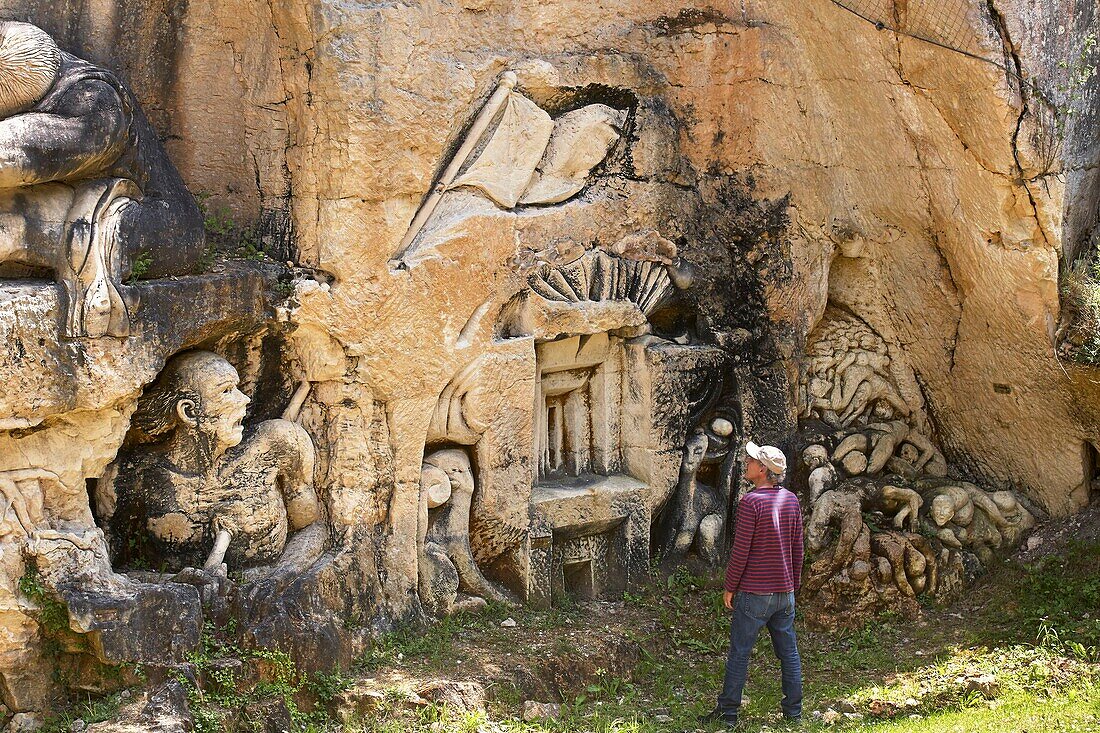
(169,518)
(163,516)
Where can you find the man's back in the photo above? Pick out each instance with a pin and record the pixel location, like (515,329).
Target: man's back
(767,543)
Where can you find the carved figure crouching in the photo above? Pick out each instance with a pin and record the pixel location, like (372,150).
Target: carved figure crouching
(698,511)
(963,516)
(85,185)
(192,490)
(450,580)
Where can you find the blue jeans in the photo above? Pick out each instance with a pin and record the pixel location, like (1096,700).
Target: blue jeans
(752,612)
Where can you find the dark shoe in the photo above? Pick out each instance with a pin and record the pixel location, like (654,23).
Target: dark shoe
(718,716)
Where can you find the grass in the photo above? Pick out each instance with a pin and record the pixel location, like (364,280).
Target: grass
(1030,628)
(226,237)
(654,662)
(1081,300)
(90,710)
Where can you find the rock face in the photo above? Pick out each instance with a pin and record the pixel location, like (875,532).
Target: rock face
(537,249)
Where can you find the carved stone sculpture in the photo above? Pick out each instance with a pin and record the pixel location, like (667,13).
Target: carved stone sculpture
(822,474)
(1018,520)
(698,512)
(525,158)
(852,546)
(201,492)
(963,516)
(911,561)
(450,580)
(903,504)
(85,185)
(872,449)
(849,372)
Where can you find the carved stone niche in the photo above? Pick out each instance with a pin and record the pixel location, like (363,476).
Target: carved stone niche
(586,494)
(612,406)
(191,489)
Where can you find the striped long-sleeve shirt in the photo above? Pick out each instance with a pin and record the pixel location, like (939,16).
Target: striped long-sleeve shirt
(767,543)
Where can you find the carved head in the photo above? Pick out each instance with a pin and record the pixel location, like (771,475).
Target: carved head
(30,62)
(196,394)
(854,463)
(942,510)
(815,456)
(721,427)
(456,465)
(695,450)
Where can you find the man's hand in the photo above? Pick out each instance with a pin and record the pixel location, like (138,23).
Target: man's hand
(727,598)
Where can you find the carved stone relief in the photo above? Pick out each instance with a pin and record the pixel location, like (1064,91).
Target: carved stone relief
(886,524)
(514,154)
(192,491)
(699,512)
(450,579)
(85,185)
(848,373)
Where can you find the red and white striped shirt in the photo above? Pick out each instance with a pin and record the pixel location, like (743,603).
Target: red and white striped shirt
(767,543)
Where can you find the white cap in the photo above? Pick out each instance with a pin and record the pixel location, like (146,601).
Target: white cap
(769,455)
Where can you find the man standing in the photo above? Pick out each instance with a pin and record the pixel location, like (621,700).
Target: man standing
(764,570)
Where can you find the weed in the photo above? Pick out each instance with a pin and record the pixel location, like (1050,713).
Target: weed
(90,710)
(141,266)
(52,615)
(224,694)
(226,236)
(327,685)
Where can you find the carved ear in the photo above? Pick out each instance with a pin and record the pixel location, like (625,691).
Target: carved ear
(185,411)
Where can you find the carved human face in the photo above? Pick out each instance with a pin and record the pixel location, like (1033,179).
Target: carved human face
(456,464)
(225,404)
(694,451)
(942,510)
(220,408)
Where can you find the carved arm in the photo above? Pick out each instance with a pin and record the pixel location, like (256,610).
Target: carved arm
(38,147)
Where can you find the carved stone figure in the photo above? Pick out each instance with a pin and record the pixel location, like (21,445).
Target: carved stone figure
(1018,520)
(901,503)
(888,437)
(450,580)
(699,510)
(849,371)
(963,516)
(822,474)
(852,546)
(85,185)
(202,492)
(911,561)
(872,449)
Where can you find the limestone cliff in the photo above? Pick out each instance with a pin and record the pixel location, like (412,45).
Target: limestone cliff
(797,156)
